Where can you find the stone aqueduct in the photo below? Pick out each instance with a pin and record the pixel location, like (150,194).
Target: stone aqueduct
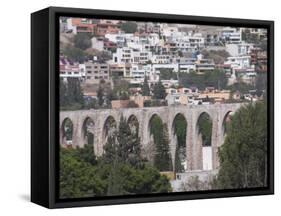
(191,113)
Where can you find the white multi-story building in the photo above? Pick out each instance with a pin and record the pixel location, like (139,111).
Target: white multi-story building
(241,49)
(231,35)
(185,42)
(139,72)
(97,43)
(161,59)
(172,66)
(169,31)
(121,39)
(241,68)
(71,69)
(129,55)
(239,61)
(187,68)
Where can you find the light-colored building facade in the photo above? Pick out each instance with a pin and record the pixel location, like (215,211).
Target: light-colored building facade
(97,72)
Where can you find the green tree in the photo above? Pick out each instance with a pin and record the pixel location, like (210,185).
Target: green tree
(74,90)
(128,144)
(216,79)
(162,157)
(100,96)
(63,93)
(86,154)
(159,91)
(145,88)
(129,27)
(205,129)
(127,172)
(241,87)
(82,41)
(78,178)
(74,54)
(243,156)
(167,74)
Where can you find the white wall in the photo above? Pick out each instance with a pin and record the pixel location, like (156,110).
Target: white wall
(207,157)
(15,108)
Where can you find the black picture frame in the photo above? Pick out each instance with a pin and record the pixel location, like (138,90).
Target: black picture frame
(45,109)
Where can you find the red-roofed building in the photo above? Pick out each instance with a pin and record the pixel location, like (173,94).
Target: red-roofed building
(107,28)
(81,25)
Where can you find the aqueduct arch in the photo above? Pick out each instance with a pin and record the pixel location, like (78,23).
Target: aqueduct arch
(88,132)
(66,132)
(226,120)
(179,136)
(109,127)
(204,133)
(133,123)
(143,116)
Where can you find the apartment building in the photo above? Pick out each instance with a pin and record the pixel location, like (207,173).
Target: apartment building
(121,70)
(231,35)
(129,55)
(107,28)
(96,72)
(204,65)
(239,61)
(80,25)
(71,69)
(259,59)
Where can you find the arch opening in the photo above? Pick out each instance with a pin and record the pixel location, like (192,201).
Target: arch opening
(204,131)
(180,131)
(67,132)
(161,155)
(226,121)
(109,127)
(88,131)
(133,124)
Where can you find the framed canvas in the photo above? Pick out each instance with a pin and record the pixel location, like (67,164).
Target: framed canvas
(138,107)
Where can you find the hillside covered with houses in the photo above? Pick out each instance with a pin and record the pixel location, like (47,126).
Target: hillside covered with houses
(120,64)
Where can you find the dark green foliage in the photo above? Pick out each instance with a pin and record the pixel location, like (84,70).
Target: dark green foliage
(77,177)
(100,96)
(63,93)
(243,88)
(159,91)
(243,156)
(71,95)
(121,89)
(214,78)
(162,156)
(74,54)
(87,154)
(145,88)
(205,129)
(75,93)
(219,56)
(82,41)
(124,146)
(91,103)
(180,126)
(167,74)
(129,27)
